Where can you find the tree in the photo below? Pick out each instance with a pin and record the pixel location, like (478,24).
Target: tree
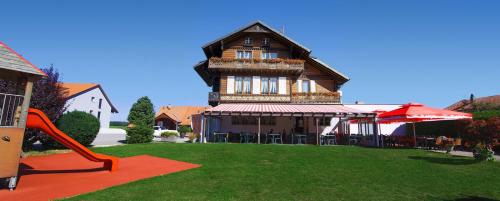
(47,96)
(142,113)
(142,116)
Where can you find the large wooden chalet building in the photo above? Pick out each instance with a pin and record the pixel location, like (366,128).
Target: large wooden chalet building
(264,82)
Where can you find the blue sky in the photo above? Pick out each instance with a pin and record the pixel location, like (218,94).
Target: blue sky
(432,52)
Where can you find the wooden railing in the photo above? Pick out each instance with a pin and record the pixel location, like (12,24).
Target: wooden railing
(279,64)
(247,98)
(332,97)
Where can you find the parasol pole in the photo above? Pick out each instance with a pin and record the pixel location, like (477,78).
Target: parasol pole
(414,136)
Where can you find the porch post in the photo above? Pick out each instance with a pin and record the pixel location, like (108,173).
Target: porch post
(202,129)
(317,131)
(375,132)
(208,127)
(258,132)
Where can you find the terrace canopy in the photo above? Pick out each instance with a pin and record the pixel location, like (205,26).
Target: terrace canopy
(414,112)
(286,110)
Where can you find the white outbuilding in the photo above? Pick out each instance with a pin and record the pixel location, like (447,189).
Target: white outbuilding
(90,98)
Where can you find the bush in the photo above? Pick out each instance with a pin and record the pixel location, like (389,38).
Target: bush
(139,134)
(80,126)
(184,129)
(169,134)
(482,153)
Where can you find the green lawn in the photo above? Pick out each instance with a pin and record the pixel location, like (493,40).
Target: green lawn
(287,172)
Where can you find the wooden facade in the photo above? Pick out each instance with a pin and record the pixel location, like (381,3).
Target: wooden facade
(257,64)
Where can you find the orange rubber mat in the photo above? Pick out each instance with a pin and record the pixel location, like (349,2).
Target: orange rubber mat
(65,175)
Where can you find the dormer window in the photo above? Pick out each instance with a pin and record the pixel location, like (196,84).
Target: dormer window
(248,41)
(265,42)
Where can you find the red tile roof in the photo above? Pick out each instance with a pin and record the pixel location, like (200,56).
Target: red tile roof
(181,114)
(74,89)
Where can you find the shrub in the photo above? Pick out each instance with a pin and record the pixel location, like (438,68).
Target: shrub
(184,129)
(169,134)
(139,134)
(482,153)
(80,126)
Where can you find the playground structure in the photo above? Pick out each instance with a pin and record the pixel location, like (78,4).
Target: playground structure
(15,116)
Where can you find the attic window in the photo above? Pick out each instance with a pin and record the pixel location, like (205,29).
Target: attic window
(265,42)
(248,41)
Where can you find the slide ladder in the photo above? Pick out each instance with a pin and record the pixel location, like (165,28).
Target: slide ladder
(38,120)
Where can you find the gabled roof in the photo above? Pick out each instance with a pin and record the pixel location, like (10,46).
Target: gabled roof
(253,24)
(180,114)
(72,90)
(201,67)
(330,69)
(465,104)
(11,60)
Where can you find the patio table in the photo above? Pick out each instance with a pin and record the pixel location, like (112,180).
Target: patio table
(218,136)
(273,137)
(301,138)
(330,139)
(245,137)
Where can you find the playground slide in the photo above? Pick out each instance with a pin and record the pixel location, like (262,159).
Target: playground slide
(38,120)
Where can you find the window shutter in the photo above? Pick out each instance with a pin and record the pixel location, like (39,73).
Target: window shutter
(230,84)
(256,85)
(282,85)
(313,86)
(299,86)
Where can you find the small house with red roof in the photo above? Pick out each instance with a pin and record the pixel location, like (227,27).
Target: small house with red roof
(90,98)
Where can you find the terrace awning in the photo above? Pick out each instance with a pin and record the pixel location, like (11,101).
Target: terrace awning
(286,110)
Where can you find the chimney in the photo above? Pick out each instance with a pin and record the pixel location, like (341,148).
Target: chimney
(283,29)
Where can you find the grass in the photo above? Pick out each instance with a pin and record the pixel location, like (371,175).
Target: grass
(284,172)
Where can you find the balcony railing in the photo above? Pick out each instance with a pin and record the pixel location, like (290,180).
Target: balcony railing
(294,65)
(333,97)
(247,98)
(10,108)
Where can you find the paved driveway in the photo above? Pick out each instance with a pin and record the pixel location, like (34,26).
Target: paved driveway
(109,137)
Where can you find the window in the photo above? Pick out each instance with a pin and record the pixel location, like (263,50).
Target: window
(305,86)
(100,103)
(244,54)
(99,115)
(269,55)
(264,85)
(248,41)
(247,84)
(265,42)
(243,85)
(91,111)
(273,85)
(238,82)
(92,99)
(269,85)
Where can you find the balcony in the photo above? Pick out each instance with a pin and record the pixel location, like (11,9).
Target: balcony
(332,97)
(295,66)
(247,98)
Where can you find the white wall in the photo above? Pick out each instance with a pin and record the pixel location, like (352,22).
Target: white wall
(385,129)
(84,103)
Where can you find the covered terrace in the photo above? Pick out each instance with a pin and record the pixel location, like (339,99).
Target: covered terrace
(283,124)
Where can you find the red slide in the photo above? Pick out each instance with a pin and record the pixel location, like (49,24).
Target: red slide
(38,120)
